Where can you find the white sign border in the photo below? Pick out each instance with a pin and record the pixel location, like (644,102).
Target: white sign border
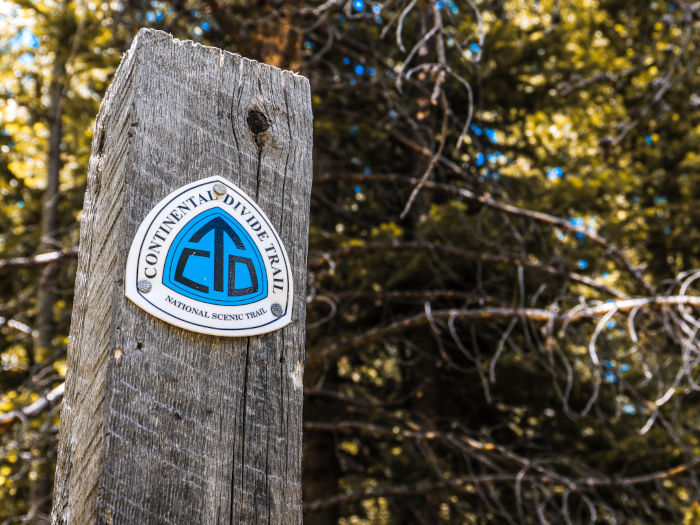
(132,276)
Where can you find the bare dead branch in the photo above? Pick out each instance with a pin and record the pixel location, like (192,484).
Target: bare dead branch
(37,407)
(38,260)
(546,477)
(498,314)
(433,160)
(17,325)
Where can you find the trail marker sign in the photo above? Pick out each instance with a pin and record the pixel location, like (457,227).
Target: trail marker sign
(206,258)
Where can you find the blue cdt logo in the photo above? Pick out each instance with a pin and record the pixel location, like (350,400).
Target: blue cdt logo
(214,260)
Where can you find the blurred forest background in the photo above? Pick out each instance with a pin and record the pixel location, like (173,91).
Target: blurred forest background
(503,307)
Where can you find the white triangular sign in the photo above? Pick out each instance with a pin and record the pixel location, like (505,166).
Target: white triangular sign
(206,258)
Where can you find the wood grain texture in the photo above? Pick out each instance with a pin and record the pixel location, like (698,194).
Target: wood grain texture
(161,425)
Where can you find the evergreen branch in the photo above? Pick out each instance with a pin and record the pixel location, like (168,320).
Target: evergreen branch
(443,249)
(510,209)
(546,476)
(459,482)
(407,490)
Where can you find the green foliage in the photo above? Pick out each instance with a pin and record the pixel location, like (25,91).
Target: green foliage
(448,395)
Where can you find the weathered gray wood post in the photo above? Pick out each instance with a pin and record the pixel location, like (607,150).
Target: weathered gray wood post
(161,424)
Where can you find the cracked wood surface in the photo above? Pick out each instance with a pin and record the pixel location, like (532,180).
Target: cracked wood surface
(162,425)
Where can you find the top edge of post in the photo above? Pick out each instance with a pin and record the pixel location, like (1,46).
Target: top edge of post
(158,35)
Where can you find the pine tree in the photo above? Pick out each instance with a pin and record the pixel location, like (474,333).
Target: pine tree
(502,312)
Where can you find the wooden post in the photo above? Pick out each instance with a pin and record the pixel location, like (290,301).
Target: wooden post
(160,424)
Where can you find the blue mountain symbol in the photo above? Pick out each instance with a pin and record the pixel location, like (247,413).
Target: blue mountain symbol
(213,259)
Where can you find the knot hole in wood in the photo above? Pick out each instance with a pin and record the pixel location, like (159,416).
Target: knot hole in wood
(257,122)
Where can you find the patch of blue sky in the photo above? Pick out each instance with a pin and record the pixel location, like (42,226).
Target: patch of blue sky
(26,59)
(629,409)
(582,264)
(358,5)
(24,38)
(480,159)
(578,222)
(359,69)
(555,173)
(493,157)
(476,130)
(376,9)
(474,48)
(346,61)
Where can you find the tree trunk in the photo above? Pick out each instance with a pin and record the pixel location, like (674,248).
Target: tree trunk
(40,489)
(49,216)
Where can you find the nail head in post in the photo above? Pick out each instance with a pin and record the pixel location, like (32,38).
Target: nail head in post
(144,286)
(276,310)
(219,189)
